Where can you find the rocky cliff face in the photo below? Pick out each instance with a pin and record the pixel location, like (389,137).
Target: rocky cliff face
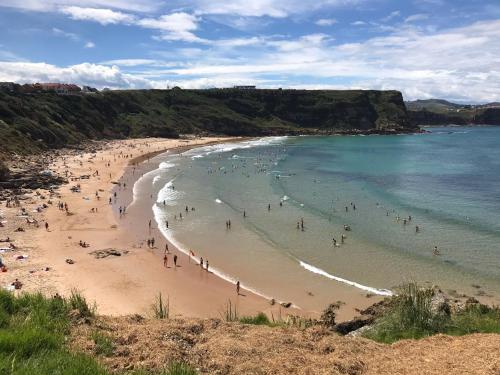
(36,121)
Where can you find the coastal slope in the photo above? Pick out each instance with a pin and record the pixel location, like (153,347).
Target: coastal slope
(442,112)
(36,121)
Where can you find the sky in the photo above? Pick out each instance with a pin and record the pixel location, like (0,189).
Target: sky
(424,48)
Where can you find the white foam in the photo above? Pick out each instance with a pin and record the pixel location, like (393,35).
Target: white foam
(217,200)
(166,165)
(169,235)
(201,152)
(319,271)
(169,195)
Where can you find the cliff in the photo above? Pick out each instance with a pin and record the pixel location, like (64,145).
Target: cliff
(31,122)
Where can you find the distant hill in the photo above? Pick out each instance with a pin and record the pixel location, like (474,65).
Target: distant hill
(39,120)
(443,112)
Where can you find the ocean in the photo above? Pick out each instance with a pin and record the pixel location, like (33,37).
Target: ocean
(288,198)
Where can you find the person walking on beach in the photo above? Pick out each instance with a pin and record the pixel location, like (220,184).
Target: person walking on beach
(166,248)
(165,261)
(206,265)
(201,262)
(46,226)
(175,260)
(149,224)
(238,287)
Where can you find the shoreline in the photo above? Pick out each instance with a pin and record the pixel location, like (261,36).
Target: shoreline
(124,284)
(128,283)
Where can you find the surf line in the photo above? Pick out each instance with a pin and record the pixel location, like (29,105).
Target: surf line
(319,271)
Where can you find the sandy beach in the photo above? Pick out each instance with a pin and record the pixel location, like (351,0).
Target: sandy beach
(119,285)
(55,262)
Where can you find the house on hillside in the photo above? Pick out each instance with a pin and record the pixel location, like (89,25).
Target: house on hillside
(89,90)
(60,88)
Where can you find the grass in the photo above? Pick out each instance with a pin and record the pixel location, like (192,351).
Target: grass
(230,312)
(413,316)
(175,368)
(161,309)
(32,335)
(262,319)
(103,344)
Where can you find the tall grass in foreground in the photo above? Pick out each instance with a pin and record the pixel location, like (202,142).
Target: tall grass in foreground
(414,316)
(230,312)
(161,309)
(32,332)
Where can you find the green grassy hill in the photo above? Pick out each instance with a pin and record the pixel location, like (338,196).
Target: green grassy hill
(35,121)
(442,112)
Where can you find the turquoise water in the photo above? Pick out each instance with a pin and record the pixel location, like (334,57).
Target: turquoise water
(448,181)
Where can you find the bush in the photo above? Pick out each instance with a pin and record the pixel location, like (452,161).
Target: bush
(413,316)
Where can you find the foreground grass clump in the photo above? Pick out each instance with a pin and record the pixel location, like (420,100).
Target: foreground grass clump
(32,331)
(415,315)
(161,308)
(175,368)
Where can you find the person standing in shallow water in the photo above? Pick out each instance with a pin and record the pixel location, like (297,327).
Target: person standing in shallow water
(238,287)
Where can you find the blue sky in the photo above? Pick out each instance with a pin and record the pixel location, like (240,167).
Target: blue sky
(425,48)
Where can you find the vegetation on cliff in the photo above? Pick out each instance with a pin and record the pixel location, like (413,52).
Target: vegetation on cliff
(36,121)
(442,112)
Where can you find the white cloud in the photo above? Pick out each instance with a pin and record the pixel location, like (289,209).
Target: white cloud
(419,62)
(259,8)
(130,62)
(326,21)
(417,17)
(391,16)
(54,5)
(358,23)
(89,45)
(174,26)
(64,34)
(103,16)
(83,74)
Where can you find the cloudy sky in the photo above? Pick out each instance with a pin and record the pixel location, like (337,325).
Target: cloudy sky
(425,48)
